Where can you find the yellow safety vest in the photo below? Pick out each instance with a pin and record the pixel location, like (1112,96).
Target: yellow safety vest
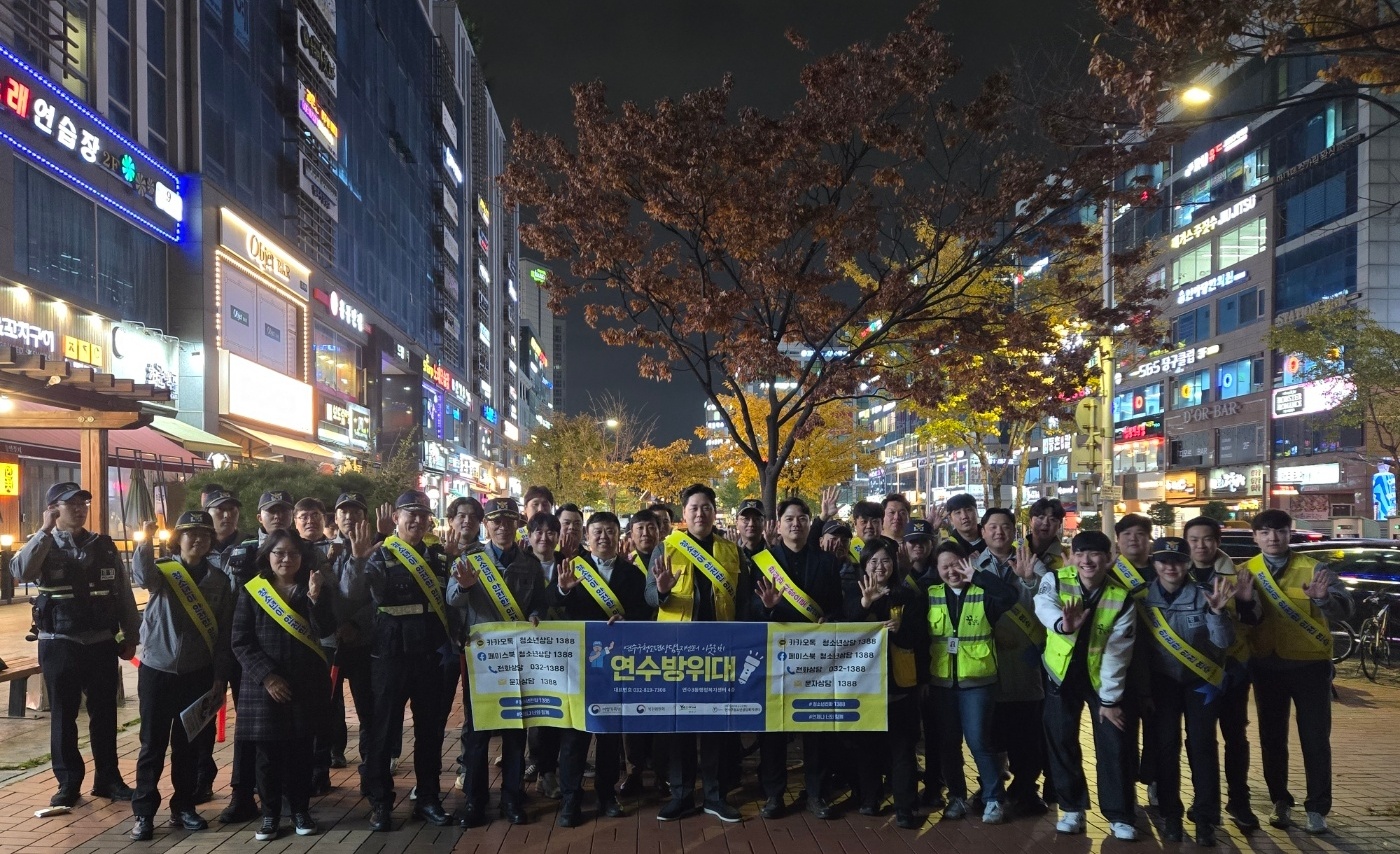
(1277,634)
(1059,648)
(680,605)
(971,639)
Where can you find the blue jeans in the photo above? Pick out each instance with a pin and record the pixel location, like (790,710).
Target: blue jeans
(965,714)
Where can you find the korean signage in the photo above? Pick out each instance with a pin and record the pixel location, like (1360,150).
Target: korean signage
(1310,398)
(317,188)
(1226,279)
(28,335)
(343,310)
(449,126)
(1214,221)
(483,211)
(254,247)
(318,55)
(72,143)
(1056,444)
(443,379)
(449,162)
(344,424)
(1321,474)
(317,119)
(1174,363)
(9,479)
(640,676)
(1233,141)
(145,356)
(1137,431)
(449,204)
(1237,481)
(1180,486)
(257,393)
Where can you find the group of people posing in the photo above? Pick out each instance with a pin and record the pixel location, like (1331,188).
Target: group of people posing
(997,641)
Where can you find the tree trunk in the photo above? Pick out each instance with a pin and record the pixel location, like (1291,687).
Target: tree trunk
(768,482)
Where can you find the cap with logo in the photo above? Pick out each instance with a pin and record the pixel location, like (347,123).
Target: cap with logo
(220,497)
(351,499)
(412,500)
(751,505)
(503,507)
(66,491)
(1171,549)
(836,528)
(919,529)
(272,499)
(194,520)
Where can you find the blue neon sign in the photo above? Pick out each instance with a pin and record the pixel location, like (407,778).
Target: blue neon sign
(54,130)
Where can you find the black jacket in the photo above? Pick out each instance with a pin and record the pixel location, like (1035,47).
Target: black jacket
(628,584)
(816,573)
(262,646)
(913,626)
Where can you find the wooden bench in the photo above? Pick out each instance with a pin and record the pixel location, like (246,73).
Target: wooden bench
(17,673)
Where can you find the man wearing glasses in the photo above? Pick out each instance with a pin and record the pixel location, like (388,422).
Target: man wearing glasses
(87,619)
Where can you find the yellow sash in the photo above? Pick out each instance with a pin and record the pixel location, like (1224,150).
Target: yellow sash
(795,596)
(1319,634)
(427,580)
(1022,618)
(297,626)
(192,598)
(686,544)
(593,582)
(1129,576)
(1182,651)
(857,549)
(904,669)
(495,583)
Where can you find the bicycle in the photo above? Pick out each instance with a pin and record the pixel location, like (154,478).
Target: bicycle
(1374,637)
(1343,641)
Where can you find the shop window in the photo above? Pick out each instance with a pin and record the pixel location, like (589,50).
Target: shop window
(1191,390)
(1239,378)
(1056,468)
(1306,435)
(337,360)
(1319,195)
(1135,403)
(1191,449)
(1244,242)
(1238,310)
(1241,444)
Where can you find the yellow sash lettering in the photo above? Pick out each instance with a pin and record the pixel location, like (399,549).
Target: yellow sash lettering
(1182,651)
(1304,622)
(1129,576)
(593,582)
(296,625)
(1023,620)
(191,598)
(495,582)
(702,561)
(794,595)
(427,580)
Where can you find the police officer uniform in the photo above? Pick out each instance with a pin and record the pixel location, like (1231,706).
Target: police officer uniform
(409,648)
(84,605)
(218,558)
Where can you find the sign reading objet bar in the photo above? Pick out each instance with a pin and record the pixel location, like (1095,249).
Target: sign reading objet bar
(679,677)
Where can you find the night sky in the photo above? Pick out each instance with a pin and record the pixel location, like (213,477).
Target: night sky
(533,50)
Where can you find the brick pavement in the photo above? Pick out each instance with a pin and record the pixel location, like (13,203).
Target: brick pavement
(1365,818)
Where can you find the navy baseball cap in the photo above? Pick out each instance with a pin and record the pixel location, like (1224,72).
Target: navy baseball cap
(219,497)
(194,520)
(272,499)
(351,499)
(503,506)
(919,529)
(412,500)
(1170,549)
(66,491)
(751,505)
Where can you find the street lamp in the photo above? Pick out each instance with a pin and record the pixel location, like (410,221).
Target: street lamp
(1196,96)
(612,423)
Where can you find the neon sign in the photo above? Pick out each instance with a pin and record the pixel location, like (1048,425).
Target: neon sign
(1210,286)
(1214,221)
(1231,142)
(449,160)
(538,275)
(316,118)
(68,139)
(484,211)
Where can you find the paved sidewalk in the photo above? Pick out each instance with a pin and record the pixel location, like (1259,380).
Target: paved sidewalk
(1366,815)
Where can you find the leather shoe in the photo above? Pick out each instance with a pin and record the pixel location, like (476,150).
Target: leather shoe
(570,818)
(431,812)
(189,820)
(869,810)
(629,785)
(321,786)
(381,818)
(908,820)
(204,794)
(772,808)
(114,791)
(144,828)
(238,812)
(337,759)
(611,809)
(514,813)
(64,798)
(819,808)
(470,816)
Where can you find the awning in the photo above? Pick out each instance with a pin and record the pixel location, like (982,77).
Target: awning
(191,438)
(123,445)
(285,446)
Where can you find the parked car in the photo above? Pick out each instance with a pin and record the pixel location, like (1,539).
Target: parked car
(1365,565)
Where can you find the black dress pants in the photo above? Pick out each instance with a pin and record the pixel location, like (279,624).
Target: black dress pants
(1307,688)
(163,696)
(415,679)
(72,669)
(1174,702)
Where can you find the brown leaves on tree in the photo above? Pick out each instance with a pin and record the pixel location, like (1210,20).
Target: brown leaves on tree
(822,254)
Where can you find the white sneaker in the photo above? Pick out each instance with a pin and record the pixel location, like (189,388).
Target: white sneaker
(1123,830)
(1152,795)
(992,814)
(1317,823)
(462,781)
(1070,822)
(413,793)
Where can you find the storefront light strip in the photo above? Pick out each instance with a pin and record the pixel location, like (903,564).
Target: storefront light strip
(172,236)
(92,116)
(225,255)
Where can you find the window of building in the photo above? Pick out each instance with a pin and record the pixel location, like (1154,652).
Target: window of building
(1191,390)
(1306,435)
(1239,378)
(1192,266)
(130,270)
(1323,129)
(1144,456)
(55,242)
(1191,449)
(1238,310)
(1137,402)
(1244,242)
(1324,268)
(1241,444)
(119,63)
(337,360)
(1191,327)
(156,118)
(1057,468)
(1319,195)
